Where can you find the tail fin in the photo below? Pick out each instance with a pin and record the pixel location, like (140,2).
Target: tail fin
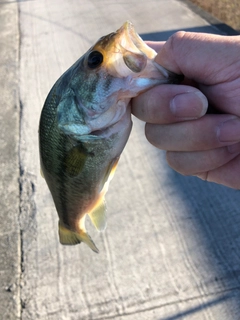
(68,237)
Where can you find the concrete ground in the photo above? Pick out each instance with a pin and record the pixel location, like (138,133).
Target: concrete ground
(172,247)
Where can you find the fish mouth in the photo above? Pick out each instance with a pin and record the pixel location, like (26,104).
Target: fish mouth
(133,38)
(135,52)
(139,57)
(126,54)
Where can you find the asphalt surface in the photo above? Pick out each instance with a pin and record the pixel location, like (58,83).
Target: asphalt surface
(172,247)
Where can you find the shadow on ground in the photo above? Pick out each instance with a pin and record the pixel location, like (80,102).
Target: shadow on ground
(219,28)
(191,311)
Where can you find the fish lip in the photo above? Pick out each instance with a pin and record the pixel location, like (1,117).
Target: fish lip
(173,78)
(103,132)
(133,37)
(130,32)
(108,130)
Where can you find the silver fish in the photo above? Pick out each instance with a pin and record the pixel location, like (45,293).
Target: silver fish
(85,124)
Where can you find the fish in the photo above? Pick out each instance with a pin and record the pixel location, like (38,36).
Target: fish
(85,124)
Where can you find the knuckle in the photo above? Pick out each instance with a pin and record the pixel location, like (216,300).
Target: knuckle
(177,36)
(176,39)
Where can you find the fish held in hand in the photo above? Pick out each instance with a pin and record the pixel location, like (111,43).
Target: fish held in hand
(85,124)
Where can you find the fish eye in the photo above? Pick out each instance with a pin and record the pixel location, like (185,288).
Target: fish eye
(95,58)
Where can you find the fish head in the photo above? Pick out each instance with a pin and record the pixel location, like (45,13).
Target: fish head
(124,54)
(118,67)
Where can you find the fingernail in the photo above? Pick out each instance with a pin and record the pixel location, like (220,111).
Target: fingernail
(189,105)
(229,131)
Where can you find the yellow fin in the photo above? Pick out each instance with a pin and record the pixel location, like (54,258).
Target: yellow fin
(98,213)
(98,216)
(68,237)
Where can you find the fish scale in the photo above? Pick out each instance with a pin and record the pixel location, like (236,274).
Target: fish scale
(86,122)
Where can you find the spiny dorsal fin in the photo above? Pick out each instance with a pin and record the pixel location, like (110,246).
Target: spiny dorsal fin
(98,216)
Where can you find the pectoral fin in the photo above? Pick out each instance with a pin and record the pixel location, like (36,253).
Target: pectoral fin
(75,160)
(68,237)
(98,216)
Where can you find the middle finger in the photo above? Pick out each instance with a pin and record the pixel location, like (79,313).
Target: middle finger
(196,135)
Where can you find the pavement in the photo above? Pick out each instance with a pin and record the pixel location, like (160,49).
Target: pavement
(172,246)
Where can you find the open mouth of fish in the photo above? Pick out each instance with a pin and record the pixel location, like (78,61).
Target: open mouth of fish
(139,57)
(129,67)
(132,37)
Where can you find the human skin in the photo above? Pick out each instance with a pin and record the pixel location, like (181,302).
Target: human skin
(197,143)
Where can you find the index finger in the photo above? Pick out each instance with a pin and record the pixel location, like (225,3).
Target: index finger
(169,103)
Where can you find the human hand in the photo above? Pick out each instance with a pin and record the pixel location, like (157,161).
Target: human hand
(200,144)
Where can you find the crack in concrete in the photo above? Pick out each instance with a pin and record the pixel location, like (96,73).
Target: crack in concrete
(27,211)
(20,248)
(26,181)
(27,208)
(21,252)
(27,223)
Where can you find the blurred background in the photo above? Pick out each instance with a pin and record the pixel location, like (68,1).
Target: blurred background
(227,11)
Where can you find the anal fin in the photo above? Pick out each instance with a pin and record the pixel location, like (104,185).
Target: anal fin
(98,215)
